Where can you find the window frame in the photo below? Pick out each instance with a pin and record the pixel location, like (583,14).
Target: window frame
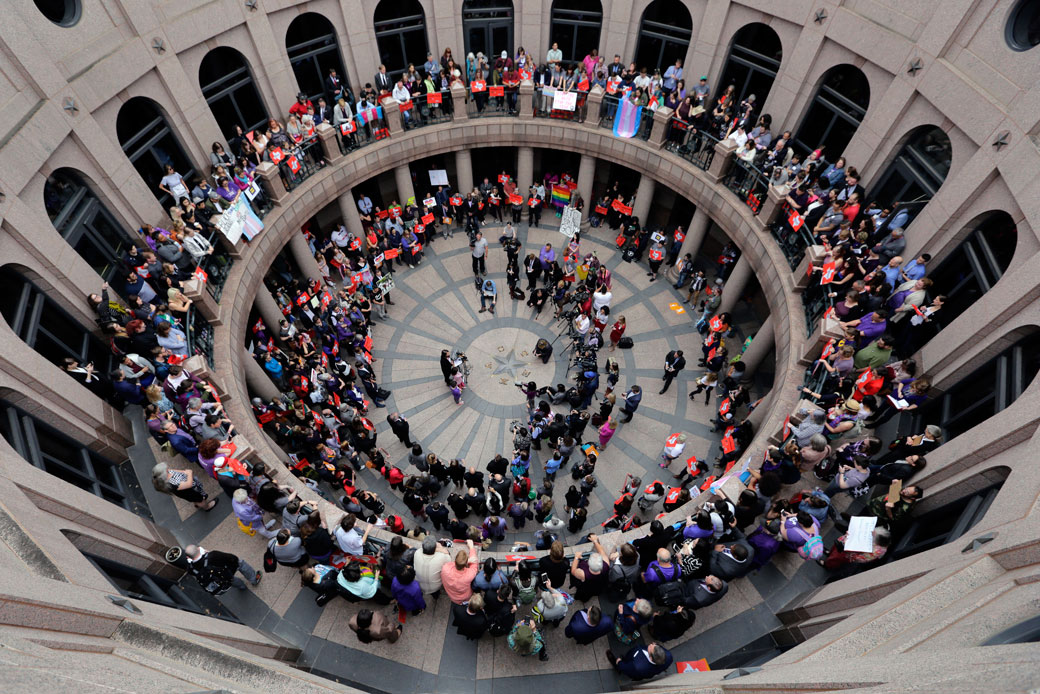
(308,53)
(394,30)
(575,19)
(228,86)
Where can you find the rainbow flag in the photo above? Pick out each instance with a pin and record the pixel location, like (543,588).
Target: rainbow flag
(627,118)
(561,194)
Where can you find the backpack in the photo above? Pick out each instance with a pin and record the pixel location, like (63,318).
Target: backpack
(625,342)
(212,580)
(526,595)
(670,594)
(500,623)
(812,549)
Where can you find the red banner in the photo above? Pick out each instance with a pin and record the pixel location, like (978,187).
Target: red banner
(276,154)
(497,91)
(624,209)
(583,86)
(433,98)
(416,248)
(478,86)
(427,219)
(294,164)
(515,199)
(599,209)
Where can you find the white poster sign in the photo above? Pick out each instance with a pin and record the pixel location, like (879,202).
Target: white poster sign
(438,177)
(571,223)
(860,537)
(239,220)
(565,101)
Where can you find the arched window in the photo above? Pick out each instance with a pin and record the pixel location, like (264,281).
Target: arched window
(313,52)
(917,172)
(488,26)
(836,111)
(664,35)
(45,326)
(400,34)
(42,445)
(150,144)
(753,61)
(975,266)
(228,87)
(85,222)
(575,26)
(987,390)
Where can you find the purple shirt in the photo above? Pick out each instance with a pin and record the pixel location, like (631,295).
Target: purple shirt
(871,330)
(547,256)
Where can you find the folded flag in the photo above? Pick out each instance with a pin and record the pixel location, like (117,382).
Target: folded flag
(627,118)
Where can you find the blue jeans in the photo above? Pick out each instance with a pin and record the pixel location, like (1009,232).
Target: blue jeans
(485,300)
(246,570)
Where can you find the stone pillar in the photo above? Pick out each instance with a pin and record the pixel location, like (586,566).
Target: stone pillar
(272,182)
(735,285)
(770,207)
(464,170)
(525,100)
(268,309)
(403,178)
(644,196)
(458,102)
(586,175)
(348,209)
(594,102)
(660,131)
(392,114)
(723,160)
(327,135)
(760,346)
(695,234)
(524,168)
(813,256)
(258,381)
(301,253)
(195,290)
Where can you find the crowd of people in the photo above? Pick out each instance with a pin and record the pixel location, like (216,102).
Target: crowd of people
(320,357)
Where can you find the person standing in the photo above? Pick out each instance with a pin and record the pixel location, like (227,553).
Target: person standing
(458,576)
(642,662)
(399,425)
(479,250)
(446,366)
(215,571)
(632,398)
(656,257)
(674,362)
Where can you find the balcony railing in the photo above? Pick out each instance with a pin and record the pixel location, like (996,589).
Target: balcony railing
(301,163)
(544,101)
(485,104)
(695,146)
(749,183)
(217,266)
(792,242)
(366,130)
(424,111)
(608,109)
(200,335)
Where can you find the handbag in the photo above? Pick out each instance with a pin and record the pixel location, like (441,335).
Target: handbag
(812,549)
(270,563)
(247,529)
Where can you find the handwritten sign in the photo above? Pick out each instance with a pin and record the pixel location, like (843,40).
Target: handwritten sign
(860,537)
(564,101)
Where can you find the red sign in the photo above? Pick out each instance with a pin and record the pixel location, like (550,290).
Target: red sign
(419,228)
(294,164)
(276,154)
(433,98)
(427,219)
(532,202)
(456,200)
(519,557)
(503,178)
(416,248)
(599,209)
(497,91)
(406,106)
(787,428)
(796,221)
(395,210)
(583,86)
(623,209)
(692,666)
(526,74)
(391,253)
(753,202)
(515,199)
(348,127)
(829,269)
(382,214)
(478,86)
(201,274)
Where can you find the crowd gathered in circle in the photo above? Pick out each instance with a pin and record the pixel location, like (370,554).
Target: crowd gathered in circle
(320,357)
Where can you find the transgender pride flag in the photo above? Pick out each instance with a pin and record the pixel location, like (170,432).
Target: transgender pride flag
(627,118)
(367,115)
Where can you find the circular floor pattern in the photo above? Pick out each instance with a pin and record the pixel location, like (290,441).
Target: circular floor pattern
(437,307)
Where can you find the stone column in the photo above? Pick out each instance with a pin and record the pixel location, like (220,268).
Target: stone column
(660,131)
(644,196)
(458,102)
(268,309)
(723,160)
(593,103)
(761,344)
(272,182)
(695,234)
(771,207)
(735,285)
(301,253)
(403,178)
(586,175)
(329,143)
(464,170)
(392,114)
(525,100)
(524,169)
(258,381)
(348,209)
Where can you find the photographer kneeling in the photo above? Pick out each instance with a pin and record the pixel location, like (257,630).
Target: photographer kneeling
(543,350)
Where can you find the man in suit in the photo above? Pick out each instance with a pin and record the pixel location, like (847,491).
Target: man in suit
(707,592)
(731,562)
(588,625)
(383,82)
(334,86)
(322,113)
(642,663)
(674,362)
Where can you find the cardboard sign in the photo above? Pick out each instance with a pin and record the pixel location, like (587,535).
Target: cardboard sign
(478,86)
(571,222)
(433,98)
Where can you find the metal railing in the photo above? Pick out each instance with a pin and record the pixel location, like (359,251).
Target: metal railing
(695,146)
(217,266)
(749,183)
(483,105)
(816,300)
(309,155)
(200,335)
(543,107)
(364,134)
(792,243)
(608,109)
(422,113)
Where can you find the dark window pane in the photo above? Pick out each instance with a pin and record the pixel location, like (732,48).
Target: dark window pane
(313,50)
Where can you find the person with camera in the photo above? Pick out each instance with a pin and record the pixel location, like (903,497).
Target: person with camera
(488,296)
(543,350)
